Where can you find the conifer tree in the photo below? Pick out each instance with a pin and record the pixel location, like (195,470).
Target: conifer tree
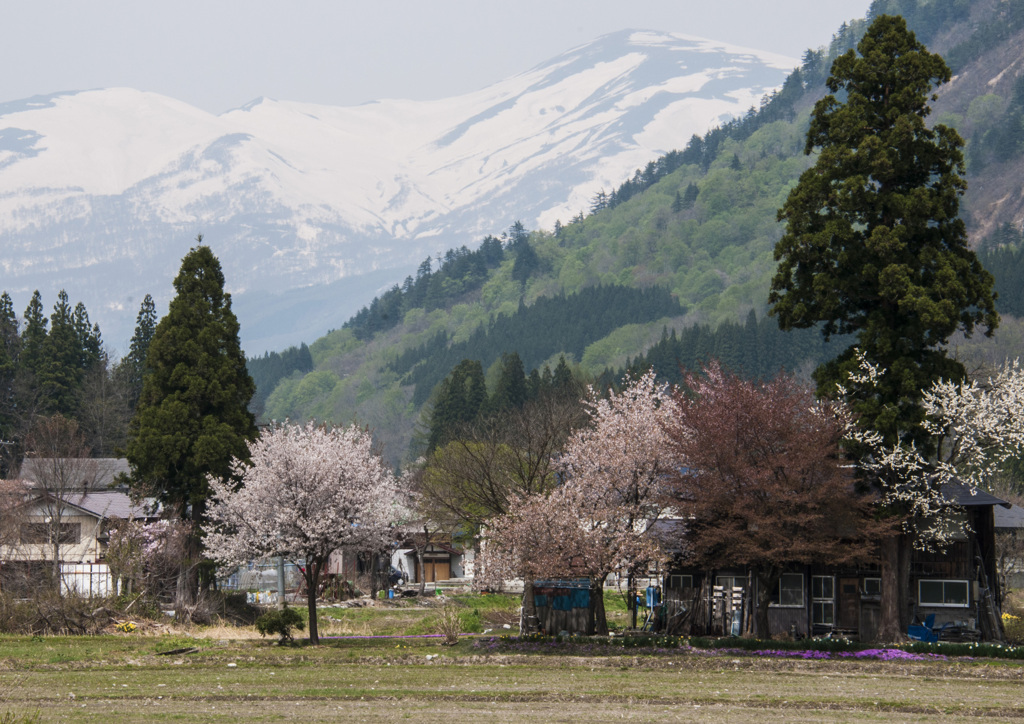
(10,347)
(873,244)
(460,398)
(34,336)
(132,367)
(874,247)
(192,417)
(59,375)
(510,389)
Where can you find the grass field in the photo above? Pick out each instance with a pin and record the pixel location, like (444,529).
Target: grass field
(213,676)
(128,679)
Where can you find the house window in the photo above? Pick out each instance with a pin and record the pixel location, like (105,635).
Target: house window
(730,582)
(677,582)
(823,600)
(872,586)
(70,533)
(789,591)
(942,593)
(35,533)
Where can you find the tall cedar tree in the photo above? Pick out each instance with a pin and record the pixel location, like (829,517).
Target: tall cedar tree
(460,399)
(10,347)
(873,244)
(874,247)
(133,367)
(761,483)
(192,418)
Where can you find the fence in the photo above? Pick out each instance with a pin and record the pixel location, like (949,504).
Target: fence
(259,580)
(563,605)
(86,579)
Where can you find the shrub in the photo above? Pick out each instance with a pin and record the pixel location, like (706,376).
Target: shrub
(1014,628)
(280,623)
(449,624)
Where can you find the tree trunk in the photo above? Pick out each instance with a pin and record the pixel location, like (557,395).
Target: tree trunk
(56,559)
(906,550)
(631,601)
(766,583)
(312,574)
(529,607)
(598,619)
(890,629)
(187,589)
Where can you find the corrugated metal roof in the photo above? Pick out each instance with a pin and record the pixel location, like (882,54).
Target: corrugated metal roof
(83,473)
(113,503)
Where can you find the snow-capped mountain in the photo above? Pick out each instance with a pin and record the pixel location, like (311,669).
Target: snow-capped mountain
(313,209)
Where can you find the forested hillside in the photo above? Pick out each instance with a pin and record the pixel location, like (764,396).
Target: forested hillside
(695,229)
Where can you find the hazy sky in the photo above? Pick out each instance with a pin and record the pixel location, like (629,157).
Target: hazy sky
(221,54)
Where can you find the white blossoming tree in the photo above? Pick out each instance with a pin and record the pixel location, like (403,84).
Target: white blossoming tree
(308,491)
(597,520)
(977,426)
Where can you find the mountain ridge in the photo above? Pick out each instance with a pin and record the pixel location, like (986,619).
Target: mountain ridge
(296,196)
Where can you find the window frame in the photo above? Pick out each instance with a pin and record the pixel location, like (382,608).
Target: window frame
(866,592)
(777,594)
(734,579)
(682,581)
(945,582)
(823,602)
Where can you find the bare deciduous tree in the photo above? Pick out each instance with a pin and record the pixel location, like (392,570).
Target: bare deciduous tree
(61,467)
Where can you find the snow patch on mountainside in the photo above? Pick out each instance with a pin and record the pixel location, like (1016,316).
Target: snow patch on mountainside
(103,191)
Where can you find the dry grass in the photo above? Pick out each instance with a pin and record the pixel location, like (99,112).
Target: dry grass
(124,679)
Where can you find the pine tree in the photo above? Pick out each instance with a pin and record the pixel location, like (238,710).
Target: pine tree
(459,400)
(133,366)
(192,417)
(34,336)
(59,374)
(873,243)
(510,389)
(10,347)
(690,195)
(874,247)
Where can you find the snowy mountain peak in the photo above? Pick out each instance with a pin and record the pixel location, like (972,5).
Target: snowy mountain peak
(102,191)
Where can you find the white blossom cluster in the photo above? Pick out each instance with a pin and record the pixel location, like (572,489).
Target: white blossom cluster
(978,426)
(308,491)
(596,520)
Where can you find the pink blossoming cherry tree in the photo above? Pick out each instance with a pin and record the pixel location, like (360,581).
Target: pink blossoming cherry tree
(309,491)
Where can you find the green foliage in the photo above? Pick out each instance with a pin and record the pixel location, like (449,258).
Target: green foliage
(1003,253)
(998,127)
(192,418)
(563,323)
(460,399)
(756,349)
(461,271)
(873,243)
(688,222)
(132,368)
(280,623)
(272,367)
(1000,23)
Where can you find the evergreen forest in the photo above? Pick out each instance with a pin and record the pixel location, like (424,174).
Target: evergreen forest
(669,268)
